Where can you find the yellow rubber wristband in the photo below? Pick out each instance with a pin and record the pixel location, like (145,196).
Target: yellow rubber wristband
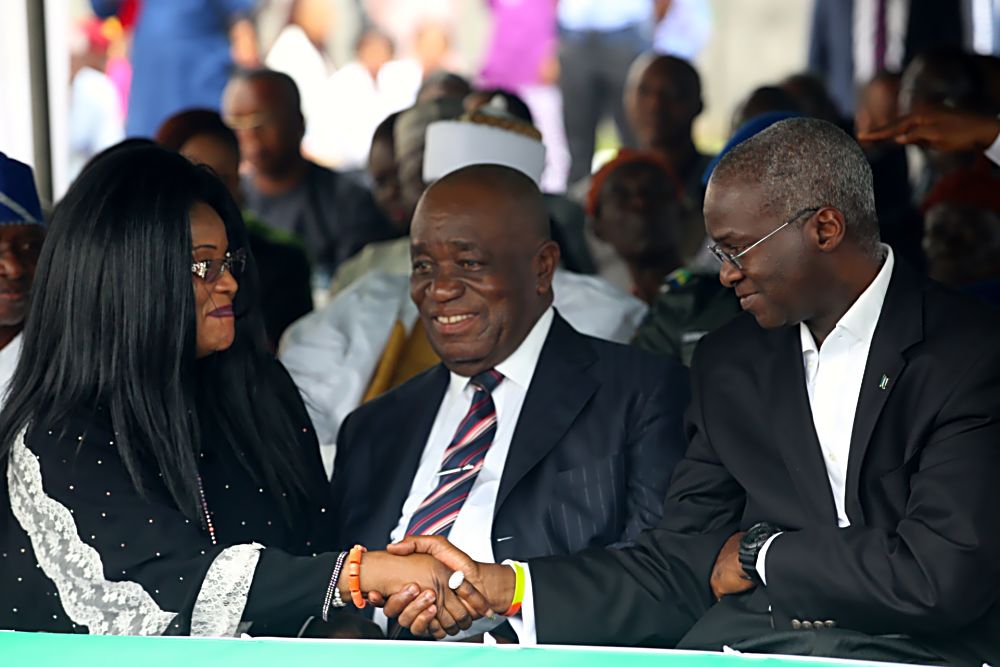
(515,604)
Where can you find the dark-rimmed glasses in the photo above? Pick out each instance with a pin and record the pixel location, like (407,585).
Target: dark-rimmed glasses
(210,270)
(734,258)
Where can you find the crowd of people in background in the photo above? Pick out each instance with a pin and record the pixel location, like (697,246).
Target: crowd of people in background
(423,315)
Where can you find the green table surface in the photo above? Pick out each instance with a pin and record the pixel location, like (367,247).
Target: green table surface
(45,650)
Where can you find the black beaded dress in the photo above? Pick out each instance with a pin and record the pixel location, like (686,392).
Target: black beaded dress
(81,550)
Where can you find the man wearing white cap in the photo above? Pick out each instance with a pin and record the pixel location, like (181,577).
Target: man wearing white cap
(22,230)
(368,339)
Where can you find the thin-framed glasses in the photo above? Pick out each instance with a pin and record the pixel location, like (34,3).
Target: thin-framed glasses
(734,258)
(210,270)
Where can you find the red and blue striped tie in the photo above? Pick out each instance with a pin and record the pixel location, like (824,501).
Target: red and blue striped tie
(461,463)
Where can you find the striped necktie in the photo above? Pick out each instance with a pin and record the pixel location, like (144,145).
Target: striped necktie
(461,463)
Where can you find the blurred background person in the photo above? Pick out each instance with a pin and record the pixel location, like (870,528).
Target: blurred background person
(332,214)
(95,117)
(852,40)
(662,98)
(962,231)
(300,52)
(362,93)
(522,57)
(636,211)
(598,41)
(22,231)
(183,52)
(285,288)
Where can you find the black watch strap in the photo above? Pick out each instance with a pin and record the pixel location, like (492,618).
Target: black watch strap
(751,544)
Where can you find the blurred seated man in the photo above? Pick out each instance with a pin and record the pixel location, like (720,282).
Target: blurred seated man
(637,215)
(368,339)
(662,99)
(962,232)
(22,231)
(837,496)
(285,290)
(333,215)
(529,437)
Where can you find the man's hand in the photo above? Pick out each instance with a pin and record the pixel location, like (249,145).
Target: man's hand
(728,576)
(384,574)
(416,610)
(941,129)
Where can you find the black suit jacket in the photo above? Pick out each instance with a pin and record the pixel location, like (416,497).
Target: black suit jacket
(598,436)
(922,554)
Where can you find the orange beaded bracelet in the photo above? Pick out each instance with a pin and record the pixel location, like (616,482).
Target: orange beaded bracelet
(354,575)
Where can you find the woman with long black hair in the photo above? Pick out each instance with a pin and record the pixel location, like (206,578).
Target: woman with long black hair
(160,474)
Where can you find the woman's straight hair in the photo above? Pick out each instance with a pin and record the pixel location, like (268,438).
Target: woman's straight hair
(111,326)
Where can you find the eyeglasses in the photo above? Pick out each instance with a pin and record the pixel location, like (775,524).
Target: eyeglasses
(210,270)
(734,259)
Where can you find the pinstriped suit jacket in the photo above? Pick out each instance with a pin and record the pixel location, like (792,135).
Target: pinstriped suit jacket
(589,462)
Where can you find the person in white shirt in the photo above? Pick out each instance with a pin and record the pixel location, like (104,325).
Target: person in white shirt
(838,494)
(22,231)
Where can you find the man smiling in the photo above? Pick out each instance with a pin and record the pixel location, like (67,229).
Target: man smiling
(22,231)
(837,497)
(529,438)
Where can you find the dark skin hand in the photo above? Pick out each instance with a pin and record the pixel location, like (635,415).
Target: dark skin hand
(941,129)
(417,610)
(728,577)
(384,574)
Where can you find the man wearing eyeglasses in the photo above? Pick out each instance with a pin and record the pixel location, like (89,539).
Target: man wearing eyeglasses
(838,494)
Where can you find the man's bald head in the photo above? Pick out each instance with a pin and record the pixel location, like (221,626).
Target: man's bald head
(662,99)
(263,108)
(277,86)
(483,262)
(506,188)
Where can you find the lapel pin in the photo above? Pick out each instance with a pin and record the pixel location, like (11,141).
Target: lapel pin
(884,383)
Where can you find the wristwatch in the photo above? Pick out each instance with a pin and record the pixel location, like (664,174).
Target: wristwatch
(750,545)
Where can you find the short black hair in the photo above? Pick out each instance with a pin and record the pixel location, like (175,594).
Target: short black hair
(285,82)
(182,127)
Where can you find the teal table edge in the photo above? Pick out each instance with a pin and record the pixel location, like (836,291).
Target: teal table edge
(53,650)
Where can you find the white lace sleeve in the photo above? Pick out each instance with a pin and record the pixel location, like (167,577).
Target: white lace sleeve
(104,607)
(223,595)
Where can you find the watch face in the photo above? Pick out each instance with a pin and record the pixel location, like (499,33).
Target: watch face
(759,532)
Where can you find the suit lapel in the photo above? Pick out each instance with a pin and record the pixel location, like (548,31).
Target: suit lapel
(799,444)
(560,388)
(900,326)
(398,460)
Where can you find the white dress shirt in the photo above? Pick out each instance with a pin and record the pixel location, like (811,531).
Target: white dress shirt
(993,152)
(472,530)
(8,363)
(834,372)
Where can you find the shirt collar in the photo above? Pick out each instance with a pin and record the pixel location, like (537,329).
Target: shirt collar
(519,367)
(861,318)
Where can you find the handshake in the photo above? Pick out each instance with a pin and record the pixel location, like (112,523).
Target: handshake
(433,588)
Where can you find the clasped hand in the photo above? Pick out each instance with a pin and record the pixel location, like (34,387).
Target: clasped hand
(412,586)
